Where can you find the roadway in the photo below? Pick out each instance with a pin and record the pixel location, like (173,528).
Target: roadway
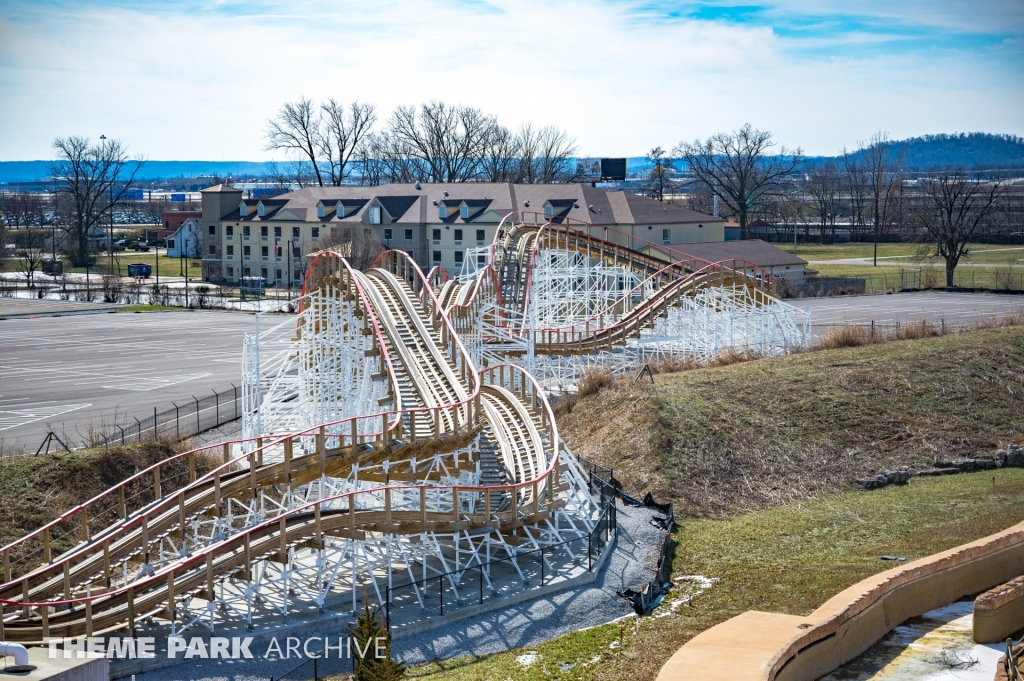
(80,374)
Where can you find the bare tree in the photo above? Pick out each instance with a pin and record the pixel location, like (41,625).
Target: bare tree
(546,155)
(448,142)
(341,133)
(501,160)
(358,245)
(193,246)
(324,138)
(29,251)
(654,185)
(738,168)
(955,208)
(21,209)
(823,185)
(882,165)
(296,129)
(855,181)
(94,178)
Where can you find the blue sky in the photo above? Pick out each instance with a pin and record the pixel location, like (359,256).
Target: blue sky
(197,80)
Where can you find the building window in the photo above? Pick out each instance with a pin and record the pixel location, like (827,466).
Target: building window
(297,274)
(437,257)
(246,251)
(437,237)
(247,272)
(666,236)
(481,235)
(230,231)
(442,212)
(458,258)
(458,237)
(277,231)
(263,272)
(264,251)
(263,231)
(549,211)
(170,243)
(408,235)
(231,271)
(316,232)
(213,250)
(464,212)
(245,231)
(295,252)
(481,261)
(230,251)
(295,231)
(374,215)
(278,273)
(387,234)
(213,230)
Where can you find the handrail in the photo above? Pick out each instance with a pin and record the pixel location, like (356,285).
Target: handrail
(231,542)
(394,427)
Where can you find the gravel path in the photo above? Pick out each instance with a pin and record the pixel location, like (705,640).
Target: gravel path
(632,564)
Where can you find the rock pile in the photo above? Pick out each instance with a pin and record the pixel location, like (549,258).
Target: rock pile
(1012,457)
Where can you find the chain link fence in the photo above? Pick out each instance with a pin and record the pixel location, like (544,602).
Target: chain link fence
(183,420)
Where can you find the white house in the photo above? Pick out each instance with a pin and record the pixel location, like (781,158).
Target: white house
(186,241)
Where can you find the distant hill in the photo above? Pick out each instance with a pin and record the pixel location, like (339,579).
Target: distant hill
(967,150)
(33,171)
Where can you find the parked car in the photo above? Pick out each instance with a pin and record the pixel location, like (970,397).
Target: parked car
(141,246)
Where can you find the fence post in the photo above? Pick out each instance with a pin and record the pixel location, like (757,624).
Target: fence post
(154,423)
(234,391)
(590,553)
(122,434)
(440,592)
(197,414)
(216,397)
(387,608)
(177,430)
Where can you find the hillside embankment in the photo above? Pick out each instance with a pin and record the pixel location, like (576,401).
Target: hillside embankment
(722,440)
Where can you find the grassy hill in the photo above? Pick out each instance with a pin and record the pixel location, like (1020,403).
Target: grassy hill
(722,440)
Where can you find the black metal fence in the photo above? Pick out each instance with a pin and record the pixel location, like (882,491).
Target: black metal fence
(500,576)
(183,420)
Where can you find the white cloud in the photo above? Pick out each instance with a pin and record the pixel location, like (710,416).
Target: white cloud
(200,83)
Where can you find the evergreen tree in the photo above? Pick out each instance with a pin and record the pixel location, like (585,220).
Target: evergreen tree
(368,667)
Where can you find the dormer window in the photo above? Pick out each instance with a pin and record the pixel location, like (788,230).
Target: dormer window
(549,211)
(260,211)
(374,215)
(464,211)
(320,210)
(339,210)
(243,209)
(442,211)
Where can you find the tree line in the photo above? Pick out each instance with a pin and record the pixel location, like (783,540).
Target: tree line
(328,142)
(741,173)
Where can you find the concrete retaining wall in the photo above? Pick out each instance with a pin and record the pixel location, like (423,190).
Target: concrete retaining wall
(999,613)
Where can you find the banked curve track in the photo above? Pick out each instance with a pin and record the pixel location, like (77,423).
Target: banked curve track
(338,486)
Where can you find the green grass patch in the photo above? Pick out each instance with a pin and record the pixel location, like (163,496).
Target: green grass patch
(788,559)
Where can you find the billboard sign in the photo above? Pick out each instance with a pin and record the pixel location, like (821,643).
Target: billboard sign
(131,195)
(268,192)
(589,167)
(613,169)
(177,198)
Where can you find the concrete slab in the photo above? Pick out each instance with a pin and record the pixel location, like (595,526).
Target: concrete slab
(57,668)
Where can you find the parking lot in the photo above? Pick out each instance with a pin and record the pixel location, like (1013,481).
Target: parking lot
(77,374)
(955,309)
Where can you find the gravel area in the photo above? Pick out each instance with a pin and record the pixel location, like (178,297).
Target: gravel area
(632,564)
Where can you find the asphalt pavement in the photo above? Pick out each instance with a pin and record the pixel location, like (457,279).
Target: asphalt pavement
(76,374)
(886,310)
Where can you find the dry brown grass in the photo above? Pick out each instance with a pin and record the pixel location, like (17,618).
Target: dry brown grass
(851,336)
(718,440)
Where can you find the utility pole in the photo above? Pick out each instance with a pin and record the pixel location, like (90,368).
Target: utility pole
(111,244)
